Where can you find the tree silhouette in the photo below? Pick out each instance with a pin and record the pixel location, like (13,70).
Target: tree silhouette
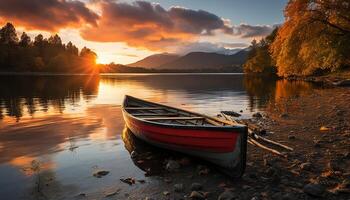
(42,55)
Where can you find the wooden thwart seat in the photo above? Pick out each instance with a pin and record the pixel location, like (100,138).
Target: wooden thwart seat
(156,114)
(144,108)
(171,118)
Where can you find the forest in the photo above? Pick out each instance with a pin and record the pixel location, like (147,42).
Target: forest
(22,54)
(313,40)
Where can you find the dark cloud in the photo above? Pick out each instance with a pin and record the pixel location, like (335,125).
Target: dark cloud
(249,31)
(49,15)
(148,25)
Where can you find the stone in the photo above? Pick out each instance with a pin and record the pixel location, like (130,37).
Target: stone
(315,190)
(306,166)
(270,171)
(129,180)
(172,165)
(257,115)
(196,186)
(291,137)
(196,195)
(231,113)
(284,115)
(133,154)
(100,173)
(178,187)
(227,195)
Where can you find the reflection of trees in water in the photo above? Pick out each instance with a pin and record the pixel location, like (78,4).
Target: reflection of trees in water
(285,88)
(189,83)
(260,89)
(41,92)
(264,89)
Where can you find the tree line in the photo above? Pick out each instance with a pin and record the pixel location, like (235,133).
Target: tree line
(22,54)
(314,39)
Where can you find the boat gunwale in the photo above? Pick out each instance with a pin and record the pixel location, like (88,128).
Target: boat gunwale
(228,127)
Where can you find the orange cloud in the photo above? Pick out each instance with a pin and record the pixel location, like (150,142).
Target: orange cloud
(48,15)
(139,24)
(147,25)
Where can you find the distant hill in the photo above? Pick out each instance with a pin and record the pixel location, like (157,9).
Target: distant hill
(154,61)
(203,60)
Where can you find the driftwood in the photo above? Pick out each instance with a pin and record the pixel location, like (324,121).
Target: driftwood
(254,142)
(273,142)
(253,137)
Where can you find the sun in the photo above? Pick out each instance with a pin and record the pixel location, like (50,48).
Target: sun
(101,59)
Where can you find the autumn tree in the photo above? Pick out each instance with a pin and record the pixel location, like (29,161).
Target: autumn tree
(315,38)
(259,59)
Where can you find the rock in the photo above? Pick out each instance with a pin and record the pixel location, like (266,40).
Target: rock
(284,115)
(100,173)
(196,186)
(172,165)
(81,195)
(141,181)
(291,137)
(129,180)
(315,190)
(197,195)
(231,113)
(133,154)
(178,187)
(306,166)
(333,165)
(204,171)
(257,115)
(270,171)
(227,195)
(166,193)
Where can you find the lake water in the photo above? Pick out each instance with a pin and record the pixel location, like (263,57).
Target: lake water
(63,128)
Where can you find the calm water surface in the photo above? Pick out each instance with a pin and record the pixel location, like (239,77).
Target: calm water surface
(66,127)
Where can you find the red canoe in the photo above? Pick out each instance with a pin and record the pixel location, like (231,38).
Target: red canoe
(220,142)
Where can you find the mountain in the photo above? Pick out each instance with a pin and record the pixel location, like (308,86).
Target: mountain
(154,61)
(203,60)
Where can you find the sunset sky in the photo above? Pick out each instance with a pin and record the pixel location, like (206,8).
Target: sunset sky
(126,31)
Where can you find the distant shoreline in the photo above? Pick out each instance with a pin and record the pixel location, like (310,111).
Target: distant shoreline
(117,73)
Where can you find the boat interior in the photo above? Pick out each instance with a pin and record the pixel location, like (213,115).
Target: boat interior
(168,115)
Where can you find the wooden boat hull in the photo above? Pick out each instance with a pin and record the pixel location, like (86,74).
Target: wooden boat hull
(224,146)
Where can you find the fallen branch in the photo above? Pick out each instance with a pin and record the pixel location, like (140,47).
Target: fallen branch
(273,142)
(254,142)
